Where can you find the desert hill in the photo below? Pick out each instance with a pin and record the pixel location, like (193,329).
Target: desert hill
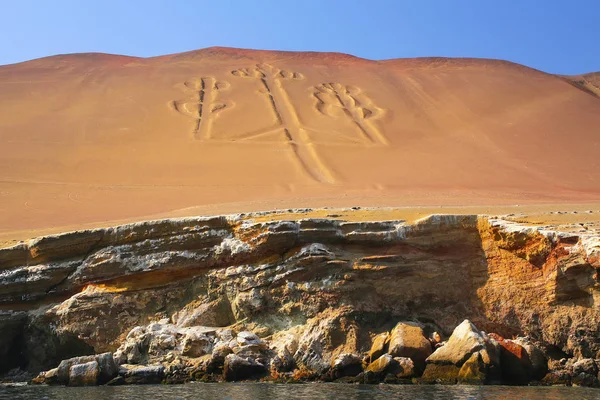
(91,138)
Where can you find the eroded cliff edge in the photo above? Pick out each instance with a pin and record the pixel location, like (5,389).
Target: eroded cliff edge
(320,287)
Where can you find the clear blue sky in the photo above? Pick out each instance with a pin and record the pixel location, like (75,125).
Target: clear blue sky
(552,35)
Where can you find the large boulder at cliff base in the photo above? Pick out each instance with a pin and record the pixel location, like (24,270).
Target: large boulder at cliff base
(105,365)
(379,346)
(473,371)
(585,373)
(585,380)
(84,374)
(345,365)
(515,363)
(401,370)
(238,368)
(539,362)
(469,357)
(408,340)
(141,375)
(585,365)
(380,366)
(64,368)
(465,340)
(557,378)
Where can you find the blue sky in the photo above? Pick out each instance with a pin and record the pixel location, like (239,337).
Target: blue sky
(552,35)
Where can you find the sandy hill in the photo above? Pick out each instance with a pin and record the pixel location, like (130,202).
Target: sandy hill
(90,138)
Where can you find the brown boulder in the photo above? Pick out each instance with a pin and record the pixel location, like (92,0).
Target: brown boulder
(380,365)
(84,374)
(402,368)
(408,340)
(378,348)
(557,378)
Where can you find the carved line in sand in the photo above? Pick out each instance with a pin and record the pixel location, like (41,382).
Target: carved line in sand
(202,105)
(287,118)
(332,97)
(333,100)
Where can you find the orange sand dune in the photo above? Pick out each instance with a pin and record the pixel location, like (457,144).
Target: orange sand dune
(91,138)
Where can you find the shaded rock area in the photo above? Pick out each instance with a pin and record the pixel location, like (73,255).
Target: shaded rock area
(249,297)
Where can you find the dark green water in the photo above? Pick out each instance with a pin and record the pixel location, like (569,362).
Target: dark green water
(214,391)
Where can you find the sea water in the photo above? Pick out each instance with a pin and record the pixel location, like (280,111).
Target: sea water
(233,391)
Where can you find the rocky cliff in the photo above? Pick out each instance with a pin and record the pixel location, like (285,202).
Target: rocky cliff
(301,294)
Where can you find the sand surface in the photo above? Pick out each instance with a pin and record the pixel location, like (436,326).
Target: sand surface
(91,140)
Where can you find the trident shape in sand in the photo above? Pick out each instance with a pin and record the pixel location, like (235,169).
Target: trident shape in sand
(202,105)
(287,118)
(333,97)
(333,100)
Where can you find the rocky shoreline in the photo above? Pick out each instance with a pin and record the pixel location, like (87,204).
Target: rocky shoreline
(162,353)
(257,297)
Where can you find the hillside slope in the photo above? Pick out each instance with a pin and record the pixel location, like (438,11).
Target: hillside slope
(89,138)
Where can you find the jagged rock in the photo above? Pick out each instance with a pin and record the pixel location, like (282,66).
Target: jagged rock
(323,337)
(473,371)
(139,375)
(539,362)
(465,340)
(209,313)
(195,344)
(379,346)
(84,374)
(408,340)
(586,366)
(514,360)
(237,368)
(49,377)
(335,292)
(284,344)
(402,368)
(246,338)
(107,368)
(177,371)
(247,304)
(585,380)
(217,358)
(380,366)
(557,378)
(311,361)
(467,343)
(135,348)
(346,364)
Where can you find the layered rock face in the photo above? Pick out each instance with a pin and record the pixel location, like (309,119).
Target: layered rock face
(252,295)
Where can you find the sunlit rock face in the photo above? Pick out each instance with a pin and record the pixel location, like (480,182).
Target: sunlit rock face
(312,291)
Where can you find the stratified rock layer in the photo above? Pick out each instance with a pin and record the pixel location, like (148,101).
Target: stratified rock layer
(321,290)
